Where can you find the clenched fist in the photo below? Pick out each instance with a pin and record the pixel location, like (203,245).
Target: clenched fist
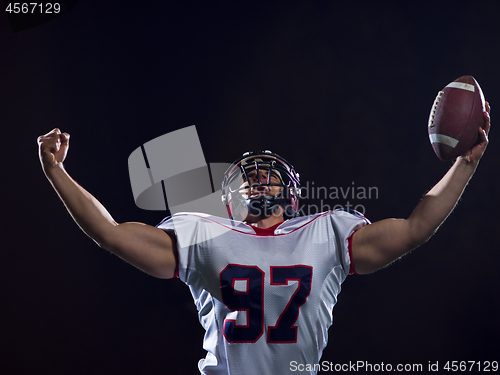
(53,148)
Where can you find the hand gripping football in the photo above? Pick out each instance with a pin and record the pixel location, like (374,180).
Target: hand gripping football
(456,115)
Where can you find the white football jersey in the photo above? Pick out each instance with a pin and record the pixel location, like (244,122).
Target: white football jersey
(265,297)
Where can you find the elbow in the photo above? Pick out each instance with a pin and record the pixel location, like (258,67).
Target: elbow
(420,233)
(102,241)
(108,238)
(104,233)
(104,245)
(423,238)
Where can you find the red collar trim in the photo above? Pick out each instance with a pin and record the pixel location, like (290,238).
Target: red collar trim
(266,231)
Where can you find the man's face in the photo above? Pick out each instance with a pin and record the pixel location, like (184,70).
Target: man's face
(261,184)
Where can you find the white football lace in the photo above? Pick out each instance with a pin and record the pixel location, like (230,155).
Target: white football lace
(434,108)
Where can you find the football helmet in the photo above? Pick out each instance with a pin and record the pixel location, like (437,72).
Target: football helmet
(247,185)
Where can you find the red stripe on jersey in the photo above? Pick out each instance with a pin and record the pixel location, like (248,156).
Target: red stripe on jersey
(352,271)
(176,255)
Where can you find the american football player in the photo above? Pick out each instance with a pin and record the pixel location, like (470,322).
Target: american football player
(264,280)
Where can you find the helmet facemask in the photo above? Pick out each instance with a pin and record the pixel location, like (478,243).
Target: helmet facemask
(260,184)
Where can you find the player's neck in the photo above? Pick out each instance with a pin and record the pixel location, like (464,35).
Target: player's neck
(268,222)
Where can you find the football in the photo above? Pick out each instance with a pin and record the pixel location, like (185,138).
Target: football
(456,115)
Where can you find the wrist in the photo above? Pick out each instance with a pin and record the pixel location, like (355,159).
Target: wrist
(52,171)
(465,167)
(466,163)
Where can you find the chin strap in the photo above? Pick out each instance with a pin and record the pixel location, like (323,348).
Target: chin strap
(266,205)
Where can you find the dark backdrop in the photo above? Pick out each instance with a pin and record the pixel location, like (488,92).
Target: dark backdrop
(343,91)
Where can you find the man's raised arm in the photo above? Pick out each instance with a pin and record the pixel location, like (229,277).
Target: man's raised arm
(376,245)
(146,247)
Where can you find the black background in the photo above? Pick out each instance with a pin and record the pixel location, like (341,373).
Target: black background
(342,90)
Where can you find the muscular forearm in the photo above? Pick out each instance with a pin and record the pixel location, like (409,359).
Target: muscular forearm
(377,245)
(144,246)
(88,213)
(438,203)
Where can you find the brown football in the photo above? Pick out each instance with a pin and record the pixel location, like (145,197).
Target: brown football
(456,115)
